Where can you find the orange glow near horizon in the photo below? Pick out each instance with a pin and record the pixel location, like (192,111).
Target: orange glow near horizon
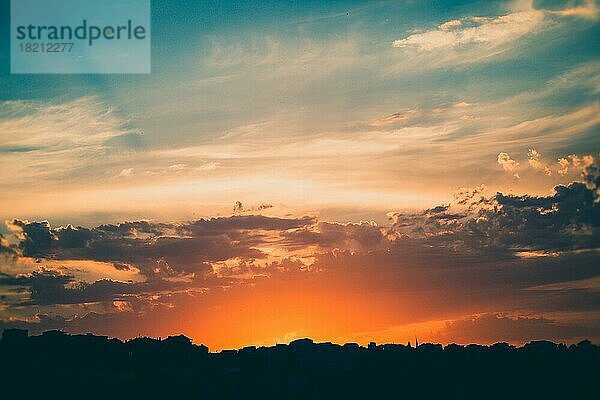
(268,313)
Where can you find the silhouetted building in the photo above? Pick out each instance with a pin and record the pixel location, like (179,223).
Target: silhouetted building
(14,335)
(99,367)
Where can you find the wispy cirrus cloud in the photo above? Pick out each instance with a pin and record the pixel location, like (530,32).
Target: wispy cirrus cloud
(48,140)
(587,9)
(84,122)
(489,33)
(270,57)
(474,39)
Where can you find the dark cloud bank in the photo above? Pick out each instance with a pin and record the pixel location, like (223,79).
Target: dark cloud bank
(483,255)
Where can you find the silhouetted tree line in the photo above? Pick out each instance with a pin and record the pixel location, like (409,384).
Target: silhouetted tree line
(58,365)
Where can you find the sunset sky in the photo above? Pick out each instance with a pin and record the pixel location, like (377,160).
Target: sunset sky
(345,171)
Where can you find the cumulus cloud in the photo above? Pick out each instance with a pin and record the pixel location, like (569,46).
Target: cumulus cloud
(158,249)
(53,287)
(469,196)
(535,162)
(239,208)
(364,235)
(507,163)
(5,246)
(36,237)
(563,166)
(582,162)
(567,220)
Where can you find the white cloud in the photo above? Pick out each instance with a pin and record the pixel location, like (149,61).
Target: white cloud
(585,76)
(581,162)
(454,23)
(534,157)
(270,57)
(462,104)
(507,163)
(125,173)
(209,166)
(85,122)
(589,10)
(493,32)
(40,140)
(563,166)
(177,167)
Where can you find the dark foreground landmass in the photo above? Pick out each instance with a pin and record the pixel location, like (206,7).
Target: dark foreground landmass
(58,365)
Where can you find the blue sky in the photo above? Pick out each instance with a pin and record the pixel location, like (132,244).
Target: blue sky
(244,98)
